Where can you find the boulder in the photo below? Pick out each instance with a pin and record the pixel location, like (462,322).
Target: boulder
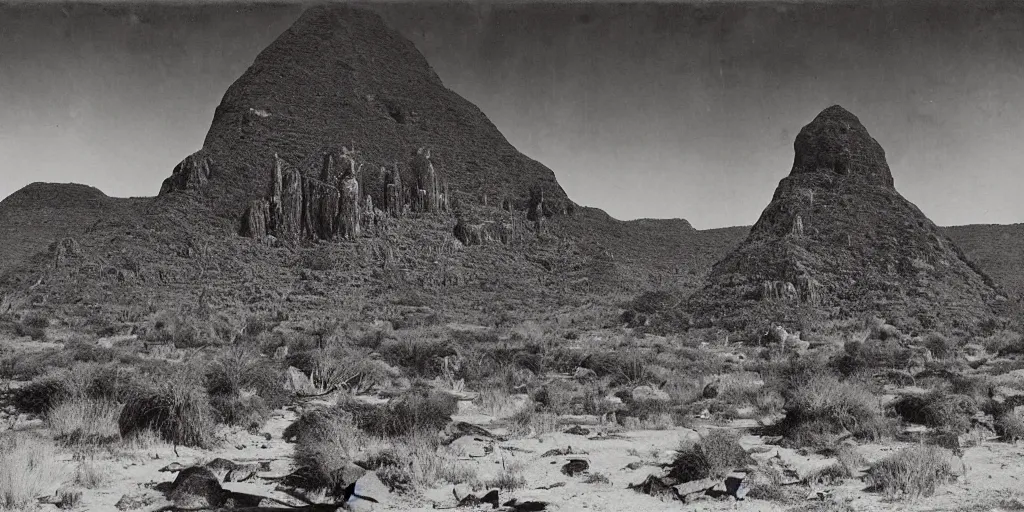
(298,382)
(368,493)
(196,488)
(687,488)
(575,467)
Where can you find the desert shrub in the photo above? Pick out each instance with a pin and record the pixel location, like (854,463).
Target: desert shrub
(870,355)
(415,411)
(33,325)
(90,475)
(529,421)
(28,466)
(325,442)
(343,367)
(1004,342)
(175,406)
(421,358)
(569,397)
(714,456)
(415,462)
(85,421)
(940,346)
(879,330)
(40,394)
(81,381)
(825,407)
(629,369)
(938,409)
(244,386)
(653,302)
(509,479)
(1009,427)
(911,472)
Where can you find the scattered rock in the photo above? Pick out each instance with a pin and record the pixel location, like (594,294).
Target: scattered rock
(459,429)
(489,498)
(578,431)
(575,467)
(654,486)
(298,382)
(525,506)
(196,487)
(471,446)
(281,353)
(584,374)
(695,486)
(137,500)
(551,486)
(555,452)
(367,493)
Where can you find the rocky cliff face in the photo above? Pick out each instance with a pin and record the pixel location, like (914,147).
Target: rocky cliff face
(839,240)
(338,202)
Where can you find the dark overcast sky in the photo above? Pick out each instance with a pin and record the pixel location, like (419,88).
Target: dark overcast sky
(643,110)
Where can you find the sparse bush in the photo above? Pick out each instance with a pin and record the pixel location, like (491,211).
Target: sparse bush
(597,478)
(714,456)
(244,387)
(85,421)
(90,475)
(1009,427)
(416,411)
(911,472)
(509,479)
(325,442)
(871,355)
(950,412)
(28,467)
(940,346)
(1004,343)
(414,462)
(421,358)
(68,498)
(529,421)
(826,407)
(176,406)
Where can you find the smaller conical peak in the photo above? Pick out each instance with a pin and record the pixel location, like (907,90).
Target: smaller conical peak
(836,142)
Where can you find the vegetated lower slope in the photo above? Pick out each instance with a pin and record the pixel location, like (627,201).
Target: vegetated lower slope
(340,78)
(837,241)
(35,216)
(998,250)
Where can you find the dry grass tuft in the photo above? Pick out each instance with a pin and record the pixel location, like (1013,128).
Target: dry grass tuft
(85,421)
(715,455)
(911,472)
(28,467)
(509,479)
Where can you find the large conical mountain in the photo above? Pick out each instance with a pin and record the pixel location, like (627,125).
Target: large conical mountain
(339,77)
(838,240)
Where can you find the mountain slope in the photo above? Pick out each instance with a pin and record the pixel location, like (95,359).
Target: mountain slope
(997,250)
(837,240)
(340,77)
(41,213)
